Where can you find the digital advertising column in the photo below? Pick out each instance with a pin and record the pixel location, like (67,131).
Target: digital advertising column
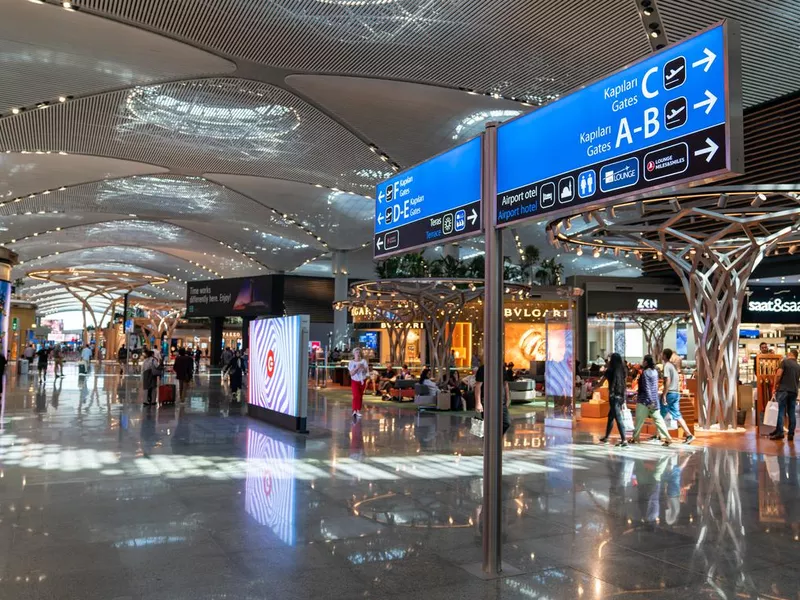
(278,371)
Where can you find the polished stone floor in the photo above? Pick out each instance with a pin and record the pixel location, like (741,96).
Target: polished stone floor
(101,498)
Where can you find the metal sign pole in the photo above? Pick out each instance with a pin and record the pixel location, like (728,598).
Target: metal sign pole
(125,331)
(492,349)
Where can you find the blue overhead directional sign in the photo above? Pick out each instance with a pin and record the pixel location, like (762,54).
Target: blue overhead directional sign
(438,200)
(672,118)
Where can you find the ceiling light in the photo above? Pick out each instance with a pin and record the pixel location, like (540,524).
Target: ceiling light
(655,33)
(475,123)
(15,111)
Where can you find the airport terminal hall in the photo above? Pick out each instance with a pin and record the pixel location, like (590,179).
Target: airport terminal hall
(399,300)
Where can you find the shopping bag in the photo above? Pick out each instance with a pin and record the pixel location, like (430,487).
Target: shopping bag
(476,427)
(671,423)
(771,414)
(627,418)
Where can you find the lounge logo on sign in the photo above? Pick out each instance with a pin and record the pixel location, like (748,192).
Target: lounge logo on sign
(270,363)
(773,305)
(646,304)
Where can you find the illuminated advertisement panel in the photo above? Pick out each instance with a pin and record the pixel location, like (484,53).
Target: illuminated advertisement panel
(278,390)
(5,310)
(270,486)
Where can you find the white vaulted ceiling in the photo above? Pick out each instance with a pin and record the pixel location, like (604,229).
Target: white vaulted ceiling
(195,139)
(410,121)
(46,53)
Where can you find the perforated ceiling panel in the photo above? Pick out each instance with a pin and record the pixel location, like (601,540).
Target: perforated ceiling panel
(276,252)
(221,125)
(155,235)
(197,201)
(165,263)
(516,47)
(23,174)
(770,60)
(20,226)
(409,121)
(343,221)
(47,52)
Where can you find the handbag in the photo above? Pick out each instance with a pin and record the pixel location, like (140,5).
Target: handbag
(771,414)
(627,418)
(476,427)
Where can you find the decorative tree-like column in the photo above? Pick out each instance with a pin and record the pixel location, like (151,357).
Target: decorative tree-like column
(438,303)
(655,325)
(713,238)
(399,315)
(87,285)
(162,317)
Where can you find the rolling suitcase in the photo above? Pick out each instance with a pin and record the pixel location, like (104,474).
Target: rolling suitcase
(81,368)
(166,393)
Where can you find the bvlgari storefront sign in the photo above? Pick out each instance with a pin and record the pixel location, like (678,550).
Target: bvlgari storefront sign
(535,311)
(776,305)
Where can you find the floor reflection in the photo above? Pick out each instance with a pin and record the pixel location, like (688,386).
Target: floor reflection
(389,505)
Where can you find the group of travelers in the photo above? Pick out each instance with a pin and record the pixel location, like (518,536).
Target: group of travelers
(42,356)
(153,368)
(649,403)
(463,392)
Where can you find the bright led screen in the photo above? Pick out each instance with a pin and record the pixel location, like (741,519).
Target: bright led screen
(278,358)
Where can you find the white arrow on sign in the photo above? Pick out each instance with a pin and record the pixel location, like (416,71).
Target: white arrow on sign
(709,102)
(707,60)
(380,219)
(473,217)
(379,243)
(710,149)
(381,196)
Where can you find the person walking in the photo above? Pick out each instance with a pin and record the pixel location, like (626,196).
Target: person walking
(647,403)
(41,363)
(235,375)
(197,356)
(671,404)
(227,355)
(28,354)
(616,375)
(359,371)
(58,359)
(786,379)
(3,363)
(151,371)
(479,380)
(122,358)
(184,369)
(86,358)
